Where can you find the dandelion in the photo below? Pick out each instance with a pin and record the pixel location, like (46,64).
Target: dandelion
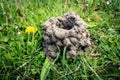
(30,29)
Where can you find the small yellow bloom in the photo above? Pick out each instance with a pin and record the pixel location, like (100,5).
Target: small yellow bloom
(30,29)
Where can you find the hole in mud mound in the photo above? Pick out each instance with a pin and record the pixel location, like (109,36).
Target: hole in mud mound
(67,23)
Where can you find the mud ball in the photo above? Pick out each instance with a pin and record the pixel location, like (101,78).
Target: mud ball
(68,31)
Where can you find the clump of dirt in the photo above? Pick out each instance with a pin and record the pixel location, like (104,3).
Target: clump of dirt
(68,30)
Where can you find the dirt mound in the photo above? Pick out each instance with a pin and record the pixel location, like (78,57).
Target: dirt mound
(68,30)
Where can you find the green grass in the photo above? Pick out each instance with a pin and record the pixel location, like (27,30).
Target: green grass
(21,54)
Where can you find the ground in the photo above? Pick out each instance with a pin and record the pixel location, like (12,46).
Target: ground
(21,51)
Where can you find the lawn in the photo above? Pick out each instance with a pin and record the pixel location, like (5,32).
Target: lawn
(21,53)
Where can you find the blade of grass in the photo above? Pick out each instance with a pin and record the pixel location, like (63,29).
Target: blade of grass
(46,67)
(64,51)
(92,69)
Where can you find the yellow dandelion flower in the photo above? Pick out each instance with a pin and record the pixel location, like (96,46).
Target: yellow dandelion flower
(30,29)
